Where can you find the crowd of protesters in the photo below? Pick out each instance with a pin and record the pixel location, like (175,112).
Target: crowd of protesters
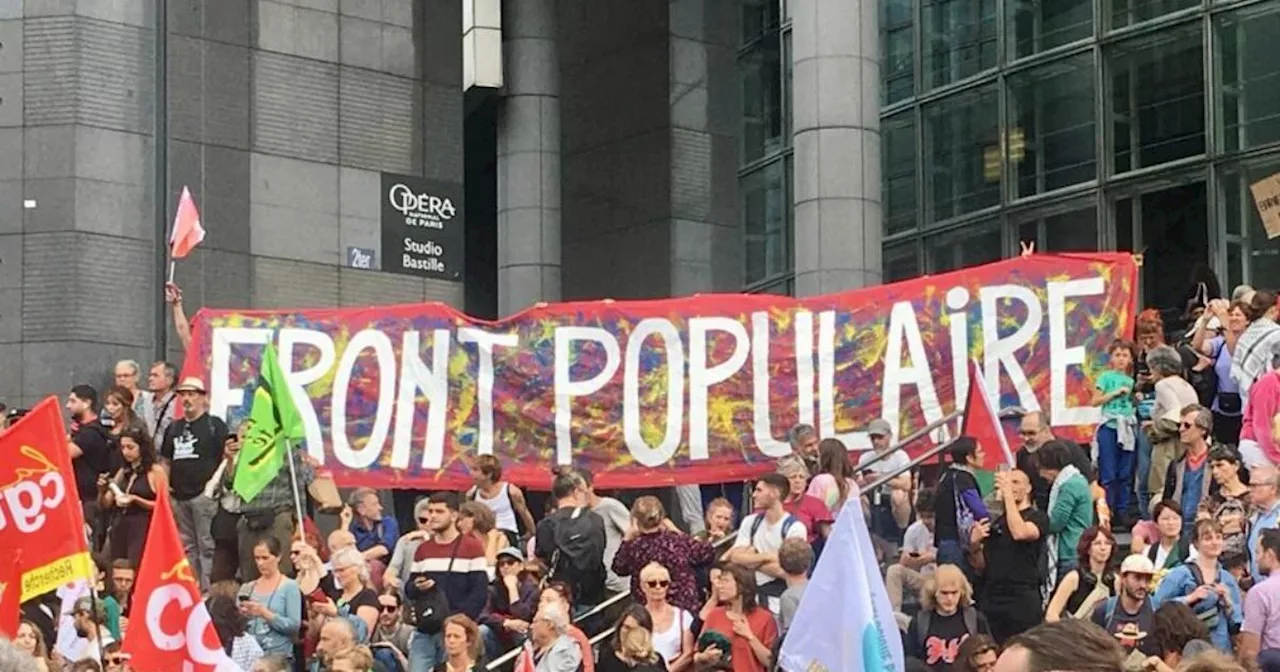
(1150,547)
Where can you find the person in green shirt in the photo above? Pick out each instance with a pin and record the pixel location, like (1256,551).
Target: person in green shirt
(1117,434)
(119,590)
(1070,505)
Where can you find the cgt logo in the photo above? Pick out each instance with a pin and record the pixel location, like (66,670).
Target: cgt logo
(34,491)
(186,626)
(406,202)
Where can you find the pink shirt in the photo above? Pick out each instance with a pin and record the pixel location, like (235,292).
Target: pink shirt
(1262,405)
(1262,607)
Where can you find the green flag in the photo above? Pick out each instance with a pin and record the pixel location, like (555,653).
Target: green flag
(274,425)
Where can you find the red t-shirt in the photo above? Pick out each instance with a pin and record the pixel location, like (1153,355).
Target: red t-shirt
(762,624)
(808,510)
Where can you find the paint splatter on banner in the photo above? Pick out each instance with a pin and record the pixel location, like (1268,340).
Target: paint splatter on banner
(692,390)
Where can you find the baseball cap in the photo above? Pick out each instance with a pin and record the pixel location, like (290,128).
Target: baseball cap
(1137,564)
(512,552)
(880,427)
(87,605)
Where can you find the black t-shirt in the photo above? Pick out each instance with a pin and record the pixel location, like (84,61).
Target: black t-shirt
(364,598)
(939,647)
(1016,564)
(1145,618)
(95,446)
(194,450)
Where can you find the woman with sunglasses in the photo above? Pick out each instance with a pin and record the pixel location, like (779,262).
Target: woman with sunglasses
(272,603)
(513,598)
(672,626)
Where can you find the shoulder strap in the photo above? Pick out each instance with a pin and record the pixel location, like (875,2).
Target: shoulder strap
(755,527)
(1113,604)
(1196,574)
(453,555)
(971,620)
(786,525)
(922,630)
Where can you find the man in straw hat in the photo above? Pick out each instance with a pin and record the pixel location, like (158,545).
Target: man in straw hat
(1130,616)
(192,448)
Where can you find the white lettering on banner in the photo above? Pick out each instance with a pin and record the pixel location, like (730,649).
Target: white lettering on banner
(26,502)
(1061,356)
(430,247)
(958,322)
(485,343)
(297,381)
(693,368)
(631,426)
(566,388)
(221,396)
(385,355)
(904,329)
(191,636)
(702,377)
(1001,350)
(414,376)
(762,410)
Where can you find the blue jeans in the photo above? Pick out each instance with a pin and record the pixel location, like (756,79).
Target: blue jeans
(425,652)
(1142,473)
(951,553)
(1115,470)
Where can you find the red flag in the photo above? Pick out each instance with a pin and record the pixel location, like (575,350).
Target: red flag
(10,595)
(40,510)
(187,231)
(983,424)
(172,629)
(525,662)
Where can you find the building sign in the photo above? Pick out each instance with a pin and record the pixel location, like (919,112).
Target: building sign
(361,257)
(422,224)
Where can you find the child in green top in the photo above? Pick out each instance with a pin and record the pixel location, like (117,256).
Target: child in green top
(1116,436)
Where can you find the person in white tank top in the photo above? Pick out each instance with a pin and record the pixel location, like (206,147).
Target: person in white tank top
(672,626)
(504,499)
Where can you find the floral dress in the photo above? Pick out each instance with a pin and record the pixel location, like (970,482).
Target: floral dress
(678,552)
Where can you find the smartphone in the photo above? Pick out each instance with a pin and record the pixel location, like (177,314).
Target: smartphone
(245,598)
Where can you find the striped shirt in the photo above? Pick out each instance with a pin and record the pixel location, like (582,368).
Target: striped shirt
(1252,357)
(459,566)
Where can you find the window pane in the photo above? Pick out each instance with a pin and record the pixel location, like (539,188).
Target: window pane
(962,153)
(1175,239)
(1037,26)
(1157,99)
(977,243)
(1264,253)
(1235,265)
(759,17)
(765,212)
(1051,144)
(897,18)
(901,262)
(1128,12)
(898,134)
(762,99)
(1074,231)
(959,39)
(1249,97)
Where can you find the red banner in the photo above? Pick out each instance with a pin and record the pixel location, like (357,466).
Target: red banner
(690,390)
(40,508)
(176,631)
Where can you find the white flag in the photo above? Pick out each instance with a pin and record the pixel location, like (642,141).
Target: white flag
(844,622)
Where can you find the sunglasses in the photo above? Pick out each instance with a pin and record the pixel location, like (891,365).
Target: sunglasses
(424,521)
(1187,425)
(658,583)
(390,608)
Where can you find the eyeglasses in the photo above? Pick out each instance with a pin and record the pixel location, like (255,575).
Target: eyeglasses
(1188,425)
(658,583)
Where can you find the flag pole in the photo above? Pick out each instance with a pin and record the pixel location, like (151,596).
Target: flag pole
(297,496)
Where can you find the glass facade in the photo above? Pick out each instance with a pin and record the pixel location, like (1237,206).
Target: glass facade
(1078,125)
(1081,125)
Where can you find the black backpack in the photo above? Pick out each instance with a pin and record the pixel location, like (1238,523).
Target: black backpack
(432,607)
(578,558)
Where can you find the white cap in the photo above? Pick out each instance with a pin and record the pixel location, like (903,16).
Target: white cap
(1137,564)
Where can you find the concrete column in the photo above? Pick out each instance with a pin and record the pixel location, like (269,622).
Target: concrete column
(529,157)
(836,112)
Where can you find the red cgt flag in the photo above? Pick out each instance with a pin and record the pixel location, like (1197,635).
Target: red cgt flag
(39,504)
(176,632)
(187,231)
(10,595)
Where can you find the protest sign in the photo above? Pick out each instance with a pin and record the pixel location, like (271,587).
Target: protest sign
(688,390)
